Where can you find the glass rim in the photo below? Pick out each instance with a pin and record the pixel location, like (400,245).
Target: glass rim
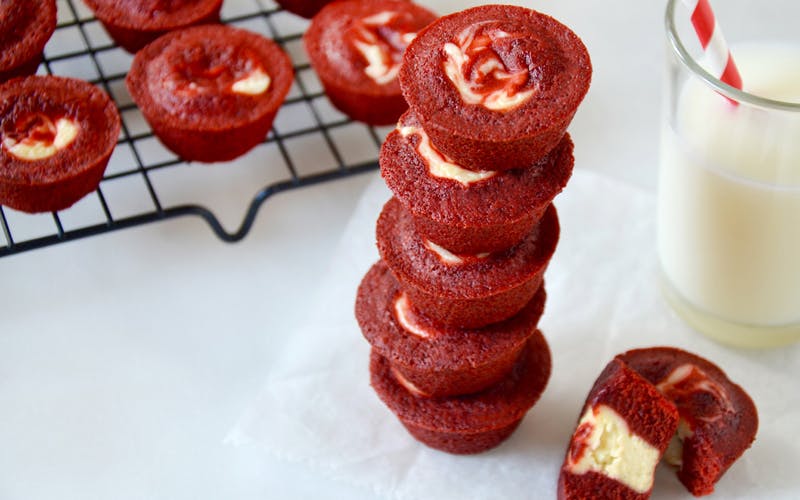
(723,88)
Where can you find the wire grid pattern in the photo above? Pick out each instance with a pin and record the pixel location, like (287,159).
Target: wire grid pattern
(311,142)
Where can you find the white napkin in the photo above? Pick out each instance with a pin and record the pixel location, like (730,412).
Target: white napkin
(317,406)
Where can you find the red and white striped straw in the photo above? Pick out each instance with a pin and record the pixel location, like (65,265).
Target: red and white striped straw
(717,55)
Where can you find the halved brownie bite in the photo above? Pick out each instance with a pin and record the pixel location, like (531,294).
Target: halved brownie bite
(625,428)
(132,24)
(718,420)
(471,423)
(25,28)
(495,86)
(465,211)
(210,93)
(356,47)
(467,291)
(56,137)
(431,361)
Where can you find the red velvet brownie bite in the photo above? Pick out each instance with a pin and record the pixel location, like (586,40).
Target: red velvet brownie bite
(467,291)
(431,361)
(210,93)
(465,211)
(471,423)
(356,47)
(495,86)
(625,427)
(25,28)
(718,420)
(132,24)
(56,137)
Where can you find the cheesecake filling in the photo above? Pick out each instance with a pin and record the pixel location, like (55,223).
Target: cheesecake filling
(413,389)
(449,257)
(440,165)
(674,452)
(256,83)
(38,137)
(444,254)
(604,443)
(405,317)
(381,43)
(201,71)
(482,76)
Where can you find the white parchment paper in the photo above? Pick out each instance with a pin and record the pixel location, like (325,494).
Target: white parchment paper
(603,298)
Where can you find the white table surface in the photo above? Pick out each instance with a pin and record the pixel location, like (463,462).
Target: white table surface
(126,358)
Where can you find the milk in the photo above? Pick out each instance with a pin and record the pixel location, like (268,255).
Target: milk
(729,203)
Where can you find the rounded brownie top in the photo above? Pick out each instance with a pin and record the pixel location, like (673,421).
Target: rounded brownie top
(406,253)
(359,44)
(210,77)
(52,127)
(496,407)
(493,198)
(152,15)
(713,406)
(440,348)
(24,30)
(702,392)
(495,71)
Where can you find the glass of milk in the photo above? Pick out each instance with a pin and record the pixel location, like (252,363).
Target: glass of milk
(729,177)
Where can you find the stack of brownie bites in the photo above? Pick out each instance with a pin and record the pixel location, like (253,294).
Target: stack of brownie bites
(451,309)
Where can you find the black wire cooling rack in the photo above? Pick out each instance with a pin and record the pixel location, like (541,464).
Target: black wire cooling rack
(306,122)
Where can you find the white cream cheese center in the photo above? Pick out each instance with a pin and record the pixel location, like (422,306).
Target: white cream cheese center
(457,58)
(381,66)
(674,453)
(441,166)
(403,314)
(613,450)
(447,256)
(65,131)
(444,254)
(256,83)
(413,389)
